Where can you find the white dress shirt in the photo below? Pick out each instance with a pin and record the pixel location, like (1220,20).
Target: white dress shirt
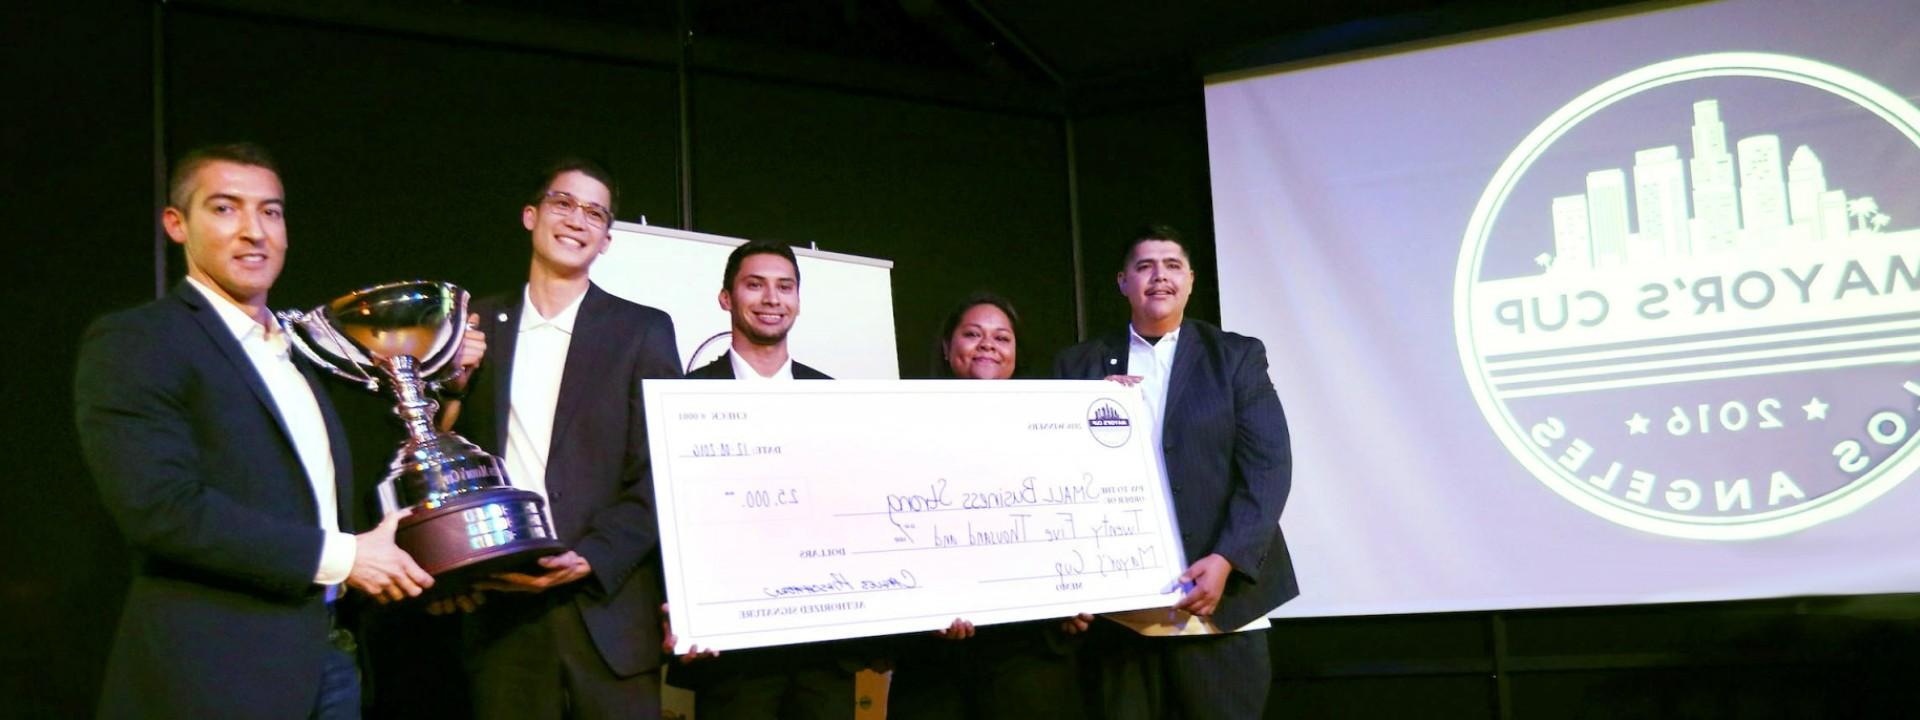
(266,347)
(743,371)
(539,361)
(1153,363)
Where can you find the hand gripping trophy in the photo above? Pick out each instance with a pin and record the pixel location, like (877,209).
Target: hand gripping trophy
(467,520)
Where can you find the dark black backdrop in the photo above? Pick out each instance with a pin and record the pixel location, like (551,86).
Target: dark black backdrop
(406,156)
(407,153)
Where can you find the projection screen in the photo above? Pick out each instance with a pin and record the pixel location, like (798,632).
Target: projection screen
(1621,311)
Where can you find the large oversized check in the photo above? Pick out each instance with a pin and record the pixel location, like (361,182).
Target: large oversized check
(803,511)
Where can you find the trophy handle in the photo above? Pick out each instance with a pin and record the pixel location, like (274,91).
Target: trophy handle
(443,357)
(293,321)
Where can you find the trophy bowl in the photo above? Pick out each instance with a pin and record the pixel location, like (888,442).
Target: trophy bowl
(468,520)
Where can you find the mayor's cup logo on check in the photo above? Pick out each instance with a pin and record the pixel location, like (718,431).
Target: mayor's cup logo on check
(1689,301)
(1108,423)
(808,511)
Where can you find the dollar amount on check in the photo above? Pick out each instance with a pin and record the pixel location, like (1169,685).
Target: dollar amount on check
(805,511)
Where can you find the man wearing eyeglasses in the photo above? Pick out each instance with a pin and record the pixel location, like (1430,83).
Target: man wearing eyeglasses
(557,396)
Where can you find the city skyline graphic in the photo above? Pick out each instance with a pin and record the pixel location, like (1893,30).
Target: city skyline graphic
(1727,254)
(1719,201)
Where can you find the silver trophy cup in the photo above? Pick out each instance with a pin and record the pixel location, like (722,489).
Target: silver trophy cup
(467,519)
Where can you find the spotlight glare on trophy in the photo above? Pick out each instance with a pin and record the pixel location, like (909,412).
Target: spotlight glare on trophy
(467,519)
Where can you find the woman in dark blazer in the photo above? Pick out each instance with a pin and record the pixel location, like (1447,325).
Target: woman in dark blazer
(1019,670)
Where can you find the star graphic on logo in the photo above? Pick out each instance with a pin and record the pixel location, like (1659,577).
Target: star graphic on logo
(1637,425)
(1816,410)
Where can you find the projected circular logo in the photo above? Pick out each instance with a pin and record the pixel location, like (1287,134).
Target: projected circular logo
(1689,301)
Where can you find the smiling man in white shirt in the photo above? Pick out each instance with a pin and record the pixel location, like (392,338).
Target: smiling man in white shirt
(760,290)
(1221,438)
(557,396)
(228,473)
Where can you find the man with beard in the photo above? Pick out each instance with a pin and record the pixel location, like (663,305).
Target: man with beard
(761,291)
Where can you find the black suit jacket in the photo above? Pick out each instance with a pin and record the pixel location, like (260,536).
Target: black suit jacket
(1229,463)
(599,492)
(195,464)
(722,369)
(848,656)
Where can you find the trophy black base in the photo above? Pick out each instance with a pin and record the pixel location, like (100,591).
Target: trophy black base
(477,534)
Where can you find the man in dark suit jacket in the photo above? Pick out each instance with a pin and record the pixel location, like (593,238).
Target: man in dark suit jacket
(558,398)
(227,470)
(1223,439)
(722,368)
(760,289)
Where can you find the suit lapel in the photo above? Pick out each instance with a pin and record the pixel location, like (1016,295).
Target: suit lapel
(802,372)
(337,445)
(504,328)
(209,320)
(1115,355)
(1185,358)
(720,368)
(585,367)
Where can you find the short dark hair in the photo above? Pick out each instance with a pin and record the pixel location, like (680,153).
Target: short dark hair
(179,195)
(975,300)
(757,247)
(589,168)
(1150,233)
